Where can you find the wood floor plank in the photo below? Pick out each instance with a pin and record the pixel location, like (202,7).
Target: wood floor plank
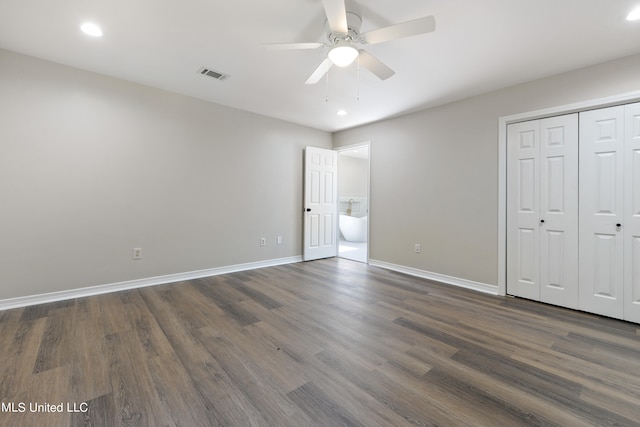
(177,302)
(278,360)
(415,406)
(57,343)
(287,335)
(20,358)
(320,407)
(590,376)
(177,392)
(330,342)
(135,397)
(361,404)
(250,289)
(498,390)
(263,395)
(194,357)
(491,410)
(100,411)
(227,405)
(90,361)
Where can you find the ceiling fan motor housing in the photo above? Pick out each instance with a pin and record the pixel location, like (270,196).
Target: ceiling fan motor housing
(354,23)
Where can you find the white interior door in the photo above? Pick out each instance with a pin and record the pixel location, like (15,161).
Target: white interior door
(320,203)
(523,210)
(601,210)
(631,221)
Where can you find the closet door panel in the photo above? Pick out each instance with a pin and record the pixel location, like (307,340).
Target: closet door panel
(523,181)
(554,259)
(631,221)
(559,210)
(632,282)
(604,270)
(601,209)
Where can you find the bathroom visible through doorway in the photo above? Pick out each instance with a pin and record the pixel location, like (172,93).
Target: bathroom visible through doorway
(353,202)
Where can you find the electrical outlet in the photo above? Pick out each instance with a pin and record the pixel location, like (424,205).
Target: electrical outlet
(418,248)
(279,240)
(263,241)
(137,253)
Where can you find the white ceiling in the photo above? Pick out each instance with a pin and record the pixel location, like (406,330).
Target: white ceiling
(478,46)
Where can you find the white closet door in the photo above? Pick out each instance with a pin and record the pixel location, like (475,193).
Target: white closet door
(559,210)
(523,214)
(601,209)
(542,210)
(631,220)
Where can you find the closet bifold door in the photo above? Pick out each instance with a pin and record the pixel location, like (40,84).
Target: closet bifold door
(602,141)
(630,227)
(559,210)
(523,210)
(542,210)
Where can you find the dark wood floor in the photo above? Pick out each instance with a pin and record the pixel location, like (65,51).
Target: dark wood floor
(331,342)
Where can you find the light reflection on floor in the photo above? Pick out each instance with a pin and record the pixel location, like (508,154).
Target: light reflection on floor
(356,251)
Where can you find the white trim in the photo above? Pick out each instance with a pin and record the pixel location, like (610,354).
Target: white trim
(502,208)
(609,101)
(139,283)
(463,283)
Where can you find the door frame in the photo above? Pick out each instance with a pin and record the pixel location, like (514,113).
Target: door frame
(625,98)
(347,148)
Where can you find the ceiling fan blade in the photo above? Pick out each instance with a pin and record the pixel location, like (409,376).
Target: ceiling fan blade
(319,72)
(336,15)
(374,65)
(294,46)
(398,31)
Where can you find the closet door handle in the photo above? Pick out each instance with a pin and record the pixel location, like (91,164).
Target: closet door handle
(618,225)
(542,221)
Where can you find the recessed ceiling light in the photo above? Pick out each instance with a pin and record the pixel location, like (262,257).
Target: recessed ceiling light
(342,112)
(91,29)
(634,15)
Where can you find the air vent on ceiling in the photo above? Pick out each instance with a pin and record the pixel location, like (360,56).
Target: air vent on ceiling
(212,73)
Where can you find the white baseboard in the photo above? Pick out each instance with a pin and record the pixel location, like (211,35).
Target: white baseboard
(139,283)
(463,283)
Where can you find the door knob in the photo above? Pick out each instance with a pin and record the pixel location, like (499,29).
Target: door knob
(618,225)
(308,209)
(542,221)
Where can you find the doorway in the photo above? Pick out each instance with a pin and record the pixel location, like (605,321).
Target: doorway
(353,202)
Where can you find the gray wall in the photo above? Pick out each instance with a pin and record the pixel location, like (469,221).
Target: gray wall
(353,176)
(91,167)
(434,173)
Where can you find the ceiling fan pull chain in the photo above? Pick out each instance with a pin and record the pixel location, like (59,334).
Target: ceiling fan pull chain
(358,78)
(326,89)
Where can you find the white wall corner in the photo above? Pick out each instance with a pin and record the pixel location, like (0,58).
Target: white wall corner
(10,303)
(437,277)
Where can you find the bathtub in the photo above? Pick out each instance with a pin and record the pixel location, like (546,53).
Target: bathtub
(353,229)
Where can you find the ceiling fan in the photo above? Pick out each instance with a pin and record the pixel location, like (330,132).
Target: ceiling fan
(344,36)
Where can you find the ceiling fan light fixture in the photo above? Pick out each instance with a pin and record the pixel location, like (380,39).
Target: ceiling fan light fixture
(343,53)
